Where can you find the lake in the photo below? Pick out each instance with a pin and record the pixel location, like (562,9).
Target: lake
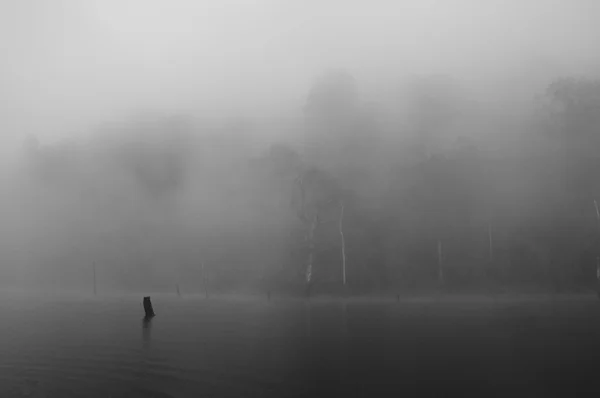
(64,347)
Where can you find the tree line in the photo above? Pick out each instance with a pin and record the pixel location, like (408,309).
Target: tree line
(358,205)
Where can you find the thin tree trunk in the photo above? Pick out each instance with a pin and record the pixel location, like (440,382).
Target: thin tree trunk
(311,230)
(343,245)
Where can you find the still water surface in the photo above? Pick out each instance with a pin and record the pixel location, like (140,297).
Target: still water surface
(100,347)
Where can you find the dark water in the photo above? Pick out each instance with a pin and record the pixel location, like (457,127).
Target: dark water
(85,347)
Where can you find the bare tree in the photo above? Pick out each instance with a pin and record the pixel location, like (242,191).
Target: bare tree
(315,193)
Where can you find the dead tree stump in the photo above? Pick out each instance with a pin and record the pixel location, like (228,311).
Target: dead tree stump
(148,308)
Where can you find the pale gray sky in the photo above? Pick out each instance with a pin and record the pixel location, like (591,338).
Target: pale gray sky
(65,64)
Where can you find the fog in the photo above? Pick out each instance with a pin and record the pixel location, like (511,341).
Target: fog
(67,64)
(150,137)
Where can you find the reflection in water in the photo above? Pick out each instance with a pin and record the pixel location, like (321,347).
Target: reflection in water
(247,348)
(146,331)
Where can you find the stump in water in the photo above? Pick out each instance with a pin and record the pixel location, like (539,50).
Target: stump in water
(148,308)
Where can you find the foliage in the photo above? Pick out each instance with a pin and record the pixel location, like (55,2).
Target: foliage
(521,219)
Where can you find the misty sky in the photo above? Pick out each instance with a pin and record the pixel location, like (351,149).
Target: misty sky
(68,64)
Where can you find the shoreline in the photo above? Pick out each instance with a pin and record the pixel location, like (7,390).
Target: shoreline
(404,297)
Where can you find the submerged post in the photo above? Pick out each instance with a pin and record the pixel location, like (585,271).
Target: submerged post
(148,308)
